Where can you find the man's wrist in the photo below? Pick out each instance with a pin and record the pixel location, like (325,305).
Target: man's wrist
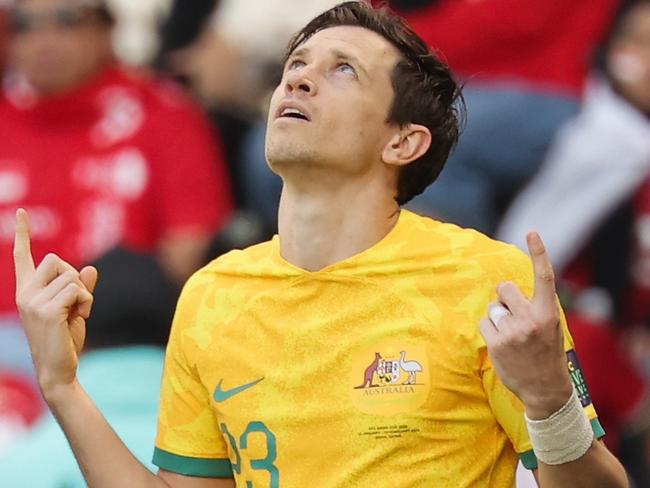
(542,406)
(56,394)
(547,406)
(564,436)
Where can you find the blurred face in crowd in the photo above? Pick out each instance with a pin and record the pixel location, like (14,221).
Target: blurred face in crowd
(58,44)
(629,57)
(331,106)
(4,34)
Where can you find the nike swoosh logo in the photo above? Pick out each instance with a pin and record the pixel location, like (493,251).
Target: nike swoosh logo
(223,395)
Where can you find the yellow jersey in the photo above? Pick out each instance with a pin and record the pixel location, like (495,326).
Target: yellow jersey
(370,372)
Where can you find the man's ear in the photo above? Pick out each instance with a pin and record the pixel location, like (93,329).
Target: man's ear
(407,145)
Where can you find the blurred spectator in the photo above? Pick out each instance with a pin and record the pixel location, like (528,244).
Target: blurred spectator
(596,162)
(185,38)
(524,63)
(102,156)
(600,158)
(181,34)
(99,154)
(121,370)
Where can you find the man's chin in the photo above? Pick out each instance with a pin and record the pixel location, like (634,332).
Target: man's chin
(285,160)
(282,151)
(288,161)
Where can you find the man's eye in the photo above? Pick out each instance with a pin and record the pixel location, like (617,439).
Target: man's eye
(346,68)
(295,64)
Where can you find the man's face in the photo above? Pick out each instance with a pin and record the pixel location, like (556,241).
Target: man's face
(58,44)
(331,106)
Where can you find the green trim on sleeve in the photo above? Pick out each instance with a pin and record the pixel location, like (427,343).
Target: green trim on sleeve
(189,466)
(529,460)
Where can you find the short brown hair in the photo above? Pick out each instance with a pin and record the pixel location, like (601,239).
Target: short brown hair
(425,90)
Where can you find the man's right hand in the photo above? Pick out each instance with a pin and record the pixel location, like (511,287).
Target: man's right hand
(54,301)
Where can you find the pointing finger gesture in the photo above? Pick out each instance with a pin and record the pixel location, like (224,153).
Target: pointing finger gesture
(53,299)
(525,339)
(23,261)
(544,296)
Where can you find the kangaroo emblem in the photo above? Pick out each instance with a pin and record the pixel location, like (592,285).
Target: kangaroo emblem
(370,371)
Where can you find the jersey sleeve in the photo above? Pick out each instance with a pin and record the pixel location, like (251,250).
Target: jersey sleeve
(189,441)
(508,409)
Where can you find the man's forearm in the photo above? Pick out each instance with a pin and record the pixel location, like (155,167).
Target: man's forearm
(103,458)
(598,468)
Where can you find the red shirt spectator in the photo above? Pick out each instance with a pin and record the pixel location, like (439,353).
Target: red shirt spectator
(548,43)
(637,303)
(618,391)
(125,159)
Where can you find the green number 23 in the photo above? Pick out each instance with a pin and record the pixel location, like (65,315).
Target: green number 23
(265,464)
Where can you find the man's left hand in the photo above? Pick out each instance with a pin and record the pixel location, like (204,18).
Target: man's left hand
(525,339)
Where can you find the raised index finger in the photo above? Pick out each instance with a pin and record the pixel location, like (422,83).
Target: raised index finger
(23,261)
(543,269)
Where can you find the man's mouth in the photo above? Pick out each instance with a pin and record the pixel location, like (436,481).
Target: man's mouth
(293,113)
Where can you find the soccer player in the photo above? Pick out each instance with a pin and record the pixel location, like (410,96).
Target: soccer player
(352,349)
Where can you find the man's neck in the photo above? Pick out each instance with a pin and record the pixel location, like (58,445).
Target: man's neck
(323,227)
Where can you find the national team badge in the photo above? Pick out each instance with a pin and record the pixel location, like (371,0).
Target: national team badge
(390,378)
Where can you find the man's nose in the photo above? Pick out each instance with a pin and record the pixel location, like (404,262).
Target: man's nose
(301,81)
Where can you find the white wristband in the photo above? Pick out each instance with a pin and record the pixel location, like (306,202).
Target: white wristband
(564,436)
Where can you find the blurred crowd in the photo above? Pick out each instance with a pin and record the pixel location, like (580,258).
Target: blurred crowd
(133,133)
